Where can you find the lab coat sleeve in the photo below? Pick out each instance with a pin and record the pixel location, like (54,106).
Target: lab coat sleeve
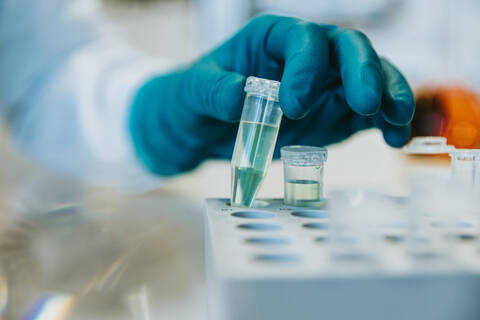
(66,87)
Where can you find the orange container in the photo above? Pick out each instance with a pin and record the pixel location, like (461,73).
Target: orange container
(452,112)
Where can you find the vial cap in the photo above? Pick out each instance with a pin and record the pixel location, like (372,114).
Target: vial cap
(466,154)
(304,155)
(264,87)
(428,145)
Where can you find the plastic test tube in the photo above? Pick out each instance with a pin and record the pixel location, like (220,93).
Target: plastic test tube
(303,175)
(466,168)
(256,138)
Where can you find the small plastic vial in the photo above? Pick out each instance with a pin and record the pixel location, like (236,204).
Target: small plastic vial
(303,175)
(256,138)
(466,168)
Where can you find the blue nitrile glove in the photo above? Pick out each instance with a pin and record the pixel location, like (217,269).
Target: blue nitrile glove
(333,84)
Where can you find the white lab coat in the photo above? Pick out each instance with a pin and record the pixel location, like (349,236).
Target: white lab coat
(67,82)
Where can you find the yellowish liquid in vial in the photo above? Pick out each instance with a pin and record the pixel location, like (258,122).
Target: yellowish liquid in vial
(251,158)
(304,193)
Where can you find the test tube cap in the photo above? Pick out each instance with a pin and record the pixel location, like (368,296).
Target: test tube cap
(264,87)
(304,155)
(465,154)
(428,145)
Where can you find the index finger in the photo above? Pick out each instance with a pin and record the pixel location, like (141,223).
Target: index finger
(303,47)
(360,70)
(398,101)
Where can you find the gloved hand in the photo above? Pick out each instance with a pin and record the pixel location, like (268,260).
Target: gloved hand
(333,84)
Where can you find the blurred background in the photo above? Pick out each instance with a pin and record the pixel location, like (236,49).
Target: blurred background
(433,43)
(73,252)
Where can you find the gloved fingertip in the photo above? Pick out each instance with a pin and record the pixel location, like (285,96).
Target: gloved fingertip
(400,111)
(396,137)
(291,106)
(369,95)
(363,89)
(369,102)
(365,101)
(230,97)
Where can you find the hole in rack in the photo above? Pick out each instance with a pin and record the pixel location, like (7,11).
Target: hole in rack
(466,237)
(440,224)
(259,226)
(253,214)
(277,258)
(351,257)
(394,238)
(425,255)
(315,225)
(464,225)
(345,240)
(270,241)
(321,239)
(420,240)
(312,214)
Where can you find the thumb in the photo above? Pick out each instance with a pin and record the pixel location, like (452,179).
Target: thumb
(213,92)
